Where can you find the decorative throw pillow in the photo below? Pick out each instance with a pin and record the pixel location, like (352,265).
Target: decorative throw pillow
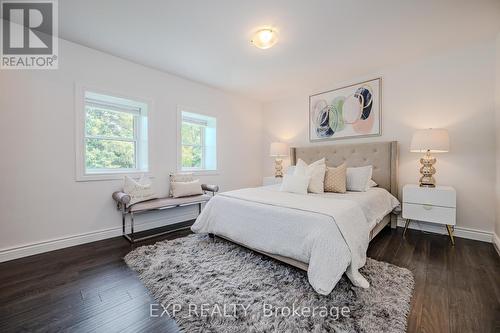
(372,183)
(315,171)
(180,177)
(185,189)
(138,190)
(358,179)
(335,179)
(295,184)
(290,170)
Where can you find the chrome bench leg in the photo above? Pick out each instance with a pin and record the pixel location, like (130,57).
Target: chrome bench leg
(132,227)
(123,223)
(130,237)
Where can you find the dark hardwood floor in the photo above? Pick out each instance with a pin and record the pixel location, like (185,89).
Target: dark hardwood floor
(89,288)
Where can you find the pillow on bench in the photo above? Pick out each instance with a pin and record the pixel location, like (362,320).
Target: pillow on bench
(185,189)
(138,190)
(180,177)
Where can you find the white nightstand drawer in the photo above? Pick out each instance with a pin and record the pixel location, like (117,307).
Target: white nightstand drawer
(444,196)
(428,213)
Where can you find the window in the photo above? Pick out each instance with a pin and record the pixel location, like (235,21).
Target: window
(198,137)
(114,135)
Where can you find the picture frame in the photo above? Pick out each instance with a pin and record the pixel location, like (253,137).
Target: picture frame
(352,111)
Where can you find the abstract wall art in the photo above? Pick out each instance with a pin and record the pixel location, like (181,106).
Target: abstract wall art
(347,112)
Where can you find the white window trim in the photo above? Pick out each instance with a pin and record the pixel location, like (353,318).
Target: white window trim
(135,140)
(195,171)
(81,174)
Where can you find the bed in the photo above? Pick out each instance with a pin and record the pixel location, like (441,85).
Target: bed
(326,235)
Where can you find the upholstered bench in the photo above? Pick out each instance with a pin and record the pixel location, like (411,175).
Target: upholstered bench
(122,199)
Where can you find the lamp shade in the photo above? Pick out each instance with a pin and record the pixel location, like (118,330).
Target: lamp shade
(278,149)
(435,140)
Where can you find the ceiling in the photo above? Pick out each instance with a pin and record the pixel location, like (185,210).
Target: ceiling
(321,41)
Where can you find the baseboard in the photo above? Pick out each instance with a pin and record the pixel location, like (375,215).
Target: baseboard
(60,243)
(461,232)
(496,243)
(63,242)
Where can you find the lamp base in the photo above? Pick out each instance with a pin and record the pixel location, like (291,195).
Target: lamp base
(278,168)
(427,171)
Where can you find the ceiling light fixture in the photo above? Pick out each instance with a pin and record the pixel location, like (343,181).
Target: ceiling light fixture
(265,38)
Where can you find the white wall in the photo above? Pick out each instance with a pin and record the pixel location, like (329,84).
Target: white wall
(40,199)
(452,91)
(42,207)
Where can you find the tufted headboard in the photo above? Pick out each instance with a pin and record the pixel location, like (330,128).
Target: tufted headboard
(382,155)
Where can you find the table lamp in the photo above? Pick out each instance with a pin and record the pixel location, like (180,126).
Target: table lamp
(278,150)
(432,140)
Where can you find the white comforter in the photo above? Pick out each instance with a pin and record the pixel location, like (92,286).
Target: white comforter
(328,233)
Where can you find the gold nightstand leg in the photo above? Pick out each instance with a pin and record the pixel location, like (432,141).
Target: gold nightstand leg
(450,232)
(406,227)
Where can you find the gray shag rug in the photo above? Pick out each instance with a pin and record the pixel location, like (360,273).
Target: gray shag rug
(209,286)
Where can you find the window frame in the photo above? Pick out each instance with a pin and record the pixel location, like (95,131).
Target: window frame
(202,147)
(135,140)
(203,169)
(141,137)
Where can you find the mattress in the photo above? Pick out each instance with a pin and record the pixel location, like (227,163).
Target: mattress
(376,203)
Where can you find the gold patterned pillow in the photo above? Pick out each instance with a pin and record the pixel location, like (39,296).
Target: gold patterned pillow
(335,179)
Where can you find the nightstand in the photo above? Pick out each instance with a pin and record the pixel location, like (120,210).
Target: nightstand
(430,204)
(271,180)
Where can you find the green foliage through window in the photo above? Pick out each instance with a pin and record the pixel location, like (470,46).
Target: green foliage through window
(109,154)
(192,136)
(110,139)
(108,123)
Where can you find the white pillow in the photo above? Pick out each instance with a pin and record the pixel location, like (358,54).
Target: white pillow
(290,170)
(180,177)
(138,190)
(358,179)
(372,183)
(315,171)
(295,184)
(185,189)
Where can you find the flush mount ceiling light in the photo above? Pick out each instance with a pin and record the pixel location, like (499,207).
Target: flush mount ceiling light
(264,38)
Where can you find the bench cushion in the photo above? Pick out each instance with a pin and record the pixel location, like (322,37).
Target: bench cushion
(167,203)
